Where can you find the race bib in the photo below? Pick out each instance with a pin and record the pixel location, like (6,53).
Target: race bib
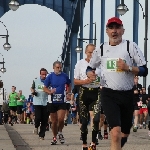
(57,98)
(40,87)
(97,81)
(112,65)
(27,111)
(144,106)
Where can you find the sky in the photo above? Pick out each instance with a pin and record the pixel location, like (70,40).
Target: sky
(37,34)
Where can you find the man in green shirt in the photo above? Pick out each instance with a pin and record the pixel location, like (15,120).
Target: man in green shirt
(20,102)
(13,96)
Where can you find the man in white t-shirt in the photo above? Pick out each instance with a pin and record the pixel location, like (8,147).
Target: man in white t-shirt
(89,101)
(117,59)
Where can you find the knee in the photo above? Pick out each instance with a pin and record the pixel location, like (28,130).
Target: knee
(61,119)
(116,134)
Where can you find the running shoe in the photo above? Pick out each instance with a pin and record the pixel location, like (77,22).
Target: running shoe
(41,138)
(134,129)
(54,141)
(92,147)
(100,137)
(61,138)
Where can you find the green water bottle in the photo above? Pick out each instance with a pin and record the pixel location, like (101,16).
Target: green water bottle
(28,120)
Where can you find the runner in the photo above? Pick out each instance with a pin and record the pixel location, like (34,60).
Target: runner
(20,102)
(57,81)
(117,58)
(144,109)
(89,98)
(40,103)
(67,109)
(137,87)
(13,96)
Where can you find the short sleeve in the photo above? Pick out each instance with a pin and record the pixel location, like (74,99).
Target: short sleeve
(47,81)
(77,71)
(96,58)
(138,57)
(68,81)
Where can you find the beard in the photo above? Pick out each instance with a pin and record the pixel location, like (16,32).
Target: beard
(118,39)
(57,72)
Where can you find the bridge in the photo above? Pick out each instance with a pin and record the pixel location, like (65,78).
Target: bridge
(72,12)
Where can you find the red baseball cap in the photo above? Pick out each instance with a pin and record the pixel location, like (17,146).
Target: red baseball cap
(114,20)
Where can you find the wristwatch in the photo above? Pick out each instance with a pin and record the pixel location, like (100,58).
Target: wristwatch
(130,68)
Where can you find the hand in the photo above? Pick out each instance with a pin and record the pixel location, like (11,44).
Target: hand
(88,81)
(91,75)
(136,92)
(53,90)
(121,65)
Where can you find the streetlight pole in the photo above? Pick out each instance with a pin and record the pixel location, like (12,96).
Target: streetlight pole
(79,48)
(6,46)
(145,39)
(3,69)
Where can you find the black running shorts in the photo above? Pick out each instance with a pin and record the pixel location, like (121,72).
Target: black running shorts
(52,108)
(13,108)
(19,109)
(118,108)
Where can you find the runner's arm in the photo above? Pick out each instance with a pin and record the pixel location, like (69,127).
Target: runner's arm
(95,61)
(77,80)
(141,68)
(33,87)
(47,84)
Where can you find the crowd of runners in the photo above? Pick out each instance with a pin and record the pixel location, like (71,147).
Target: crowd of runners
(106,93)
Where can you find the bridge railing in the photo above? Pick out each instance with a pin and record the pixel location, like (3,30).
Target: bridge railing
(67,34)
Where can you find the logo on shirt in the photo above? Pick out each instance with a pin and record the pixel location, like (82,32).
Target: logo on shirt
(40,87)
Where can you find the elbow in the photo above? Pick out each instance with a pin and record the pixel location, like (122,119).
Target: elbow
(75,82)
(143,71)
(32,90)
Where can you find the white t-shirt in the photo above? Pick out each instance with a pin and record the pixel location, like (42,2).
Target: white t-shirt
(113,78)
(80,73)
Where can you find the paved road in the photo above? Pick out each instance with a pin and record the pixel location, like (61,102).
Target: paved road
(23,139)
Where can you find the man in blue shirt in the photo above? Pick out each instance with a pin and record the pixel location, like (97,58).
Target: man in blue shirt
(57,105)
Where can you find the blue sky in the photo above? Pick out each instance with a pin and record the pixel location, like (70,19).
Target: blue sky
(36,36)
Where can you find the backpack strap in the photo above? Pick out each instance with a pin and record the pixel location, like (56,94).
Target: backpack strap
(101,47)
(128,42)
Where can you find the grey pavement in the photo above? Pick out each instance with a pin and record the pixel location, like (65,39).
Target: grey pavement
(5,141)
(24,139)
